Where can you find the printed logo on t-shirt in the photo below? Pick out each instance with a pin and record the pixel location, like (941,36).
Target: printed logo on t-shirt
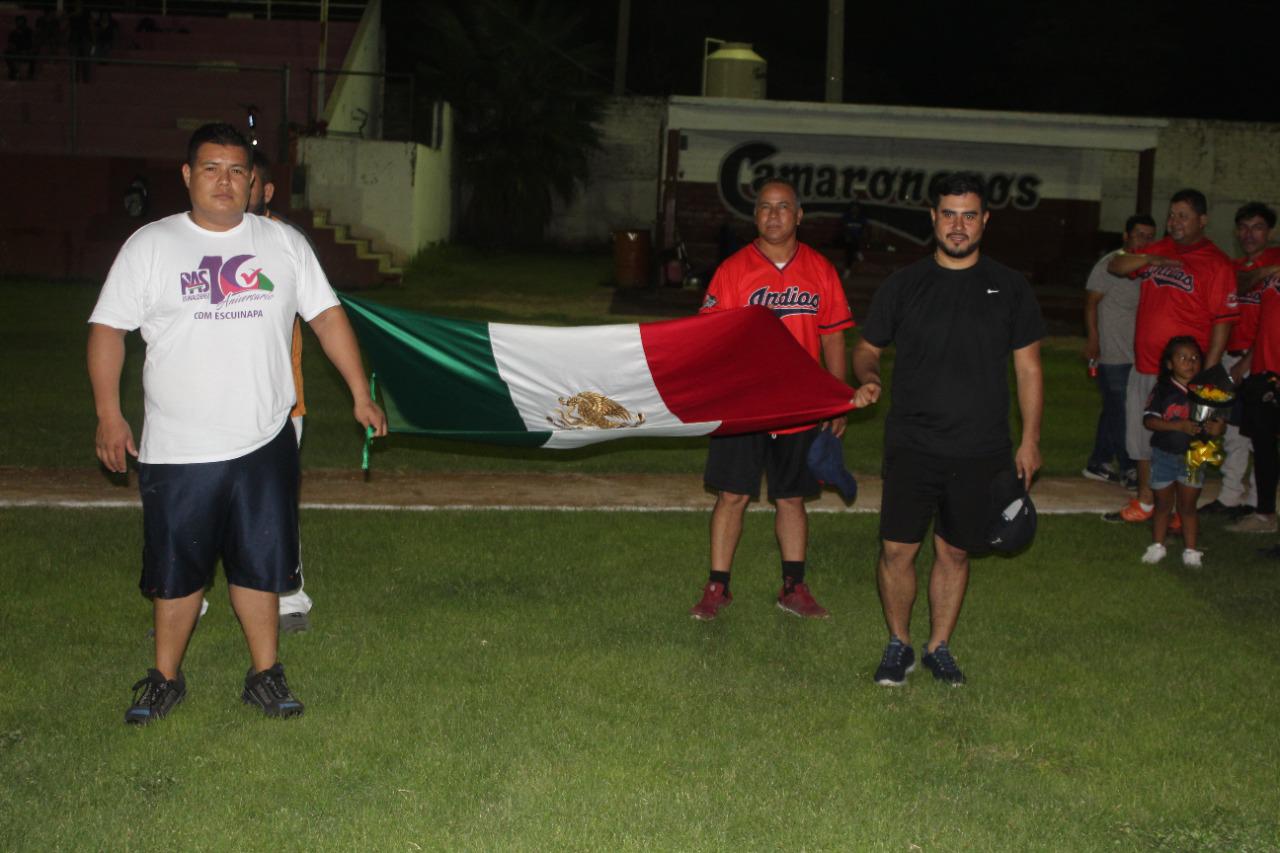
(224,284)
(793,300)
(1177,277)
(216,280)
(709,302)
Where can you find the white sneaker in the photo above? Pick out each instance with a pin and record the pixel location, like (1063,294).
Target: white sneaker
(1154,554)
(1192,559)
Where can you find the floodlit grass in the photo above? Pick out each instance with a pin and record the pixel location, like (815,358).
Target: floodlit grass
(498,680)
(49,410)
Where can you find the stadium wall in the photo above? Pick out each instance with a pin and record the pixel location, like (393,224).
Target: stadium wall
(397,194)
(622,192)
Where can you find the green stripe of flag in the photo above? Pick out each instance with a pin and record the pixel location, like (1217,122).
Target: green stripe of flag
(444,373)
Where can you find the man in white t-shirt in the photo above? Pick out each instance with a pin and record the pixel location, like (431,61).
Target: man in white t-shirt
(214,293)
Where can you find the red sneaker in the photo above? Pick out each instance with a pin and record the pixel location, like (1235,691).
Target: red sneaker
(714,597)
(800,602)
(1131,512)
(1175,523)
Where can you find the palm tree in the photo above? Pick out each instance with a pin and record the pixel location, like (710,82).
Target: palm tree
(525,95)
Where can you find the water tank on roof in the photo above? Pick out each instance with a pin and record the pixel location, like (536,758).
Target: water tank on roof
(734,70)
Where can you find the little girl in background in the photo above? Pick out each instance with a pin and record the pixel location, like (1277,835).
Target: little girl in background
(1167,416)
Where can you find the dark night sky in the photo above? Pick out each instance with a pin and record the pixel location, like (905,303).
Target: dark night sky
(1131,59)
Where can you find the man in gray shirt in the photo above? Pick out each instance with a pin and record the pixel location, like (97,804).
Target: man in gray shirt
(1109,315)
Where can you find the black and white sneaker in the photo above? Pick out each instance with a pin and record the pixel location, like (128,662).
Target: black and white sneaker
(270,692)
(943,665)
(154,697)
(898,660)
(1101,473)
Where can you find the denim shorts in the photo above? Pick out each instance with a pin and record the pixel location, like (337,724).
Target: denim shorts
(1168,468)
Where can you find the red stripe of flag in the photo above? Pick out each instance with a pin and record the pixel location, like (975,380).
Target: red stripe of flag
(740,367)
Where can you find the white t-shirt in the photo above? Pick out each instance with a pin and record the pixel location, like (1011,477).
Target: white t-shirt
(1117,312)
(216,310)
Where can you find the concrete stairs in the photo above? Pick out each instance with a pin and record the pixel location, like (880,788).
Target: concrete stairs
(351,263)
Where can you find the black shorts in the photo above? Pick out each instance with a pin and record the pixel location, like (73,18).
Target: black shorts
(735,463)
(243,510)
(953,493)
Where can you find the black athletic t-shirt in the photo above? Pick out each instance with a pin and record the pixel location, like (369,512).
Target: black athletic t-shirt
(952,331)
(1169,402)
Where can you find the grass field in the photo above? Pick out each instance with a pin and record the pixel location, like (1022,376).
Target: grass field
(508,680)
(531,680)
(49,410)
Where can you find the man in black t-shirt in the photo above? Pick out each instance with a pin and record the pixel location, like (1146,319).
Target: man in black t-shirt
(954,318)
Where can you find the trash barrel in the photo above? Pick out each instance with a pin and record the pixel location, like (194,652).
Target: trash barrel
(632,255)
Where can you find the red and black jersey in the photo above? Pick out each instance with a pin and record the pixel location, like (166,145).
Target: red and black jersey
(1169,402)
(1245,330)
(1185,300)
(804,293)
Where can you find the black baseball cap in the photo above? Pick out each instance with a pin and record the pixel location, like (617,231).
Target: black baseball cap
(1013,522)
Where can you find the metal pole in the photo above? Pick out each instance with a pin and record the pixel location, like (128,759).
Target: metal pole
(620,52)
(324,53)
(284,114)
(835,52)
(73,130)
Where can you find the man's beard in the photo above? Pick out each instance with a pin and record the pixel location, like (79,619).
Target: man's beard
(959,254)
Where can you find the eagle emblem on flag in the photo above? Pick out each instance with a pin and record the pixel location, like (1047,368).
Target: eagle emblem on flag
(590,409)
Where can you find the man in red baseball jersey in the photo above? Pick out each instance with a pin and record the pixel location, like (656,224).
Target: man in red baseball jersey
(802,289)
(1187,288)
(1238,497)
(1258,277)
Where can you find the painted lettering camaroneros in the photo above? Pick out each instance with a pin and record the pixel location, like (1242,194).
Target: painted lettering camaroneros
(828,187)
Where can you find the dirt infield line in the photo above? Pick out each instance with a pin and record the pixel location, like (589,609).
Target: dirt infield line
(423,492)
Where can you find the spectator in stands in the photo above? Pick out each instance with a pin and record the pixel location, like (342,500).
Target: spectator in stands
(21,43)
(104,33)
(48,33)
(1110,312)
(80,43)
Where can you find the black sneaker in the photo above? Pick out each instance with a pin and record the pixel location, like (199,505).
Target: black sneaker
(1240,511)
(1101,473)
(943,665)
(1213,507)
(270,692)
(898,660)
(154,696)
(1129,479)
(294,623)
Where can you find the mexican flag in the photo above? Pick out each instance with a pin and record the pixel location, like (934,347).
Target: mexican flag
(720,373)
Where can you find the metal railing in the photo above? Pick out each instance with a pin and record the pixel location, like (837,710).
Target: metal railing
(78,68)
(292,10)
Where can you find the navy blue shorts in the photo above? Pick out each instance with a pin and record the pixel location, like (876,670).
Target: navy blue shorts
(735,463)
(243,510)
(955,494)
